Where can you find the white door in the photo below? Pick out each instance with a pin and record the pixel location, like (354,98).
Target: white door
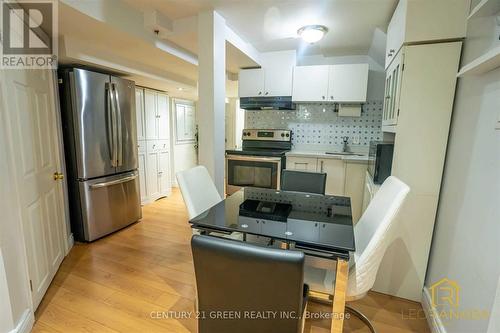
(164,172)
(151,114)
(310,83)
(153,181)
(251,83)
(348,83)
(31,113)
(163,117)
(139,113)
(335,175)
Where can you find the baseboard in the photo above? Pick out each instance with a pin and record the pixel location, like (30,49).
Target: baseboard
(25,323)
(71,242)
(431,313)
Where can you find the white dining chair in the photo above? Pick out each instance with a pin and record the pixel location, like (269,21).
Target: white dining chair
(372,237)
(198,190)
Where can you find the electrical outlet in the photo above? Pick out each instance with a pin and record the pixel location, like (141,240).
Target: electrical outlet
(355,139)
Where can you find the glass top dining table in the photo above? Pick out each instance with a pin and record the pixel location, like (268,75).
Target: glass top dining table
(319,223)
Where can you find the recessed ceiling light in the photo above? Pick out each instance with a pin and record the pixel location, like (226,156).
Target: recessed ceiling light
(180,88)
(312,33)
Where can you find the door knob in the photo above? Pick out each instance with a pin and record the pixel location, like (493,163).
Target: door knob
(58,176)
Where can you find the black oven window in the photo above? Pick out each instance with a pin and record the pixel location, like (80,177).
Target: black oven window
(249,173)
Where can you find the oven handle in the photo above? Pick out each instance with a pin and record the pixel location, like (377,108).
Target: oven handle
(253,158)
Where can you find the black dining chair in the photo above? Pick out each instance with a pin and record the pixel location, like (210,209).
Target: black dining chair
(303,181)
(246,288)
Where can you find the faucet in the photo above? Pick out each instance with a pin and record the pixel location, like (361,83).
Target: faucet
(345,148)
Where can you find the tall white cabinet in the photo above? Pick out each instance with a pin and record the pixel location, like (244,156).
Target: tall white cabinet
(153,134)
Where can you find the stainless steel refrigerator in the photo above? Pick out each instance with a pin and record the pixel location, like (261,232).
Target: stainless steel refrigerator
(100,143)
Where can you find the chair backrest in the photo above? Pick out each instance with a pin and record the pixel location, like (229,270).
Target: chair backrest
(198,190)
(302,181)
(244,278)
(372,235)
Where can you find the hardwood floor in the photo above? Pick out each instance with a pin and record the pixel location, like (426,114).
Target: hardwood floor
(124,282)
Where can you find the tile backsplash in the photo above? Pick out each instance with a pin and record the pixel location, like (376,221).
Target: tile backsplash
(318,124)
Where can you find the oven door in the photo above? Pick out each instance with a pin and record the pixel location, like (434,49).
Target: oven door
(252,171)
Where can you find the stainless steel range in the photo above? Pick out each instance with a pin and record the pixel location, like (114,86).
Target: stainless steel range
(260,161)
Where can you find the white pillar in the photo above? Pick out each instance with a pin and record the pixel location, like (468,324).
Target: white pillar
(212,93)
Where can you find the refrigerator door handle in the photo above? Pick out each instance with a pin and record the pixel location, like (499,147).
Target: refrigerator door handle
(113,182)
(110,128)
(119,125)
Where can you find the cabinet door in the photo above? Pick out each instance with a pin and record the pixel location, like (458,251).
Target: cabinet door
(153,180)
(142,176)
(150,108)
(301,163)
(354,187)
(251,83)
(163,117)
(139,114)
(278,81)
(310,83)
(335,175)
(392,91)
(348,83)
(164,172)
(395,32)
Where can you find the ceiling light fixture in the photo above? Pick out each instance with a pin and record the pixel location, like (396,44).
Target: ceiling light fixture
(180,88)
(312,33)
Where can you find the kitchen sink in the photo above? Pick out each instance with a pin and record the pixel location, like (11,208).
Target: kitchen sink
(348,153)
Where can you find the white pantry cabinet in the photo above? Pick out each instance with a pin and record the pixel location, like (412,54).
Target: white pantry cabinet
(152,107)
(335,83)
(265,82)
(420,21)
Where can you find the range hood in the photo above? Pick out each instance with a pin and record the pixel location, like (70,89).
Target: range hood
(267,103)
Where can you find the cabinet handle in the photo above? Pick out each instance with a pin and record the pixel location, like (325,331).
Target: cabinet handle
(266,93)
(260,92)
(321,166)
(323,97)
(331,97)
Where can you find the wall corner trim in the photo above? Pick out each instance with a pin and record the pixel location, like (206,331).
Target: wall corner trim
(435,323)
(25,323)
(71,242)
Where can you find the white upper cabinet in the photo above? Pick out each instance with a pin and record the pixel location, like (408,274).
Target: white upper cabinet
(310,83)
(425,21)
(150,111)
(163,117)
(251,83)
(268,82)
(348,83)
(335,83)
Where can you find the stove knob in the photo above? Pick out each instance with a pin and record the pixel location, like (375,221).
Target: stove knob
(244,134)
(287,135)
(282,135)
(248,134)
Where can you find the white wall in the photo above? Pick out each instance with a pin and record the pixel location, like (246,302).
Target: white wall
(184,154)
(466,243)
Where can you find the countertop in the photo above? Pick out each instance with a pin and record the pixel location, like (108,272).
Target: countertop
(322,154)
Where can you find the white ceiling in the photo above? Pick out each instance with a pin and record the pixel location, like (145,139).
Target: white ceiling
(271,25)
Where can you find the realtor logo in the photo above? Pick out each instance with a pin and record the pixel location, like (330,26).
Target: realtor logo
(445,292)
(29,34)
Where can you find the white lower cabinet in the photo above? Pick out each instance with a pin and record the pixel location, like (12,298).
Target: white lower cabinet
(142,170)
(164,172)
(335,179)
(344,178)
(156,171)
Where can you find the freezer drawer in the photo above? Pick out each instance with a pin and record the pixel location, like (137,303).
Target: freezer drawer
(109,204)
